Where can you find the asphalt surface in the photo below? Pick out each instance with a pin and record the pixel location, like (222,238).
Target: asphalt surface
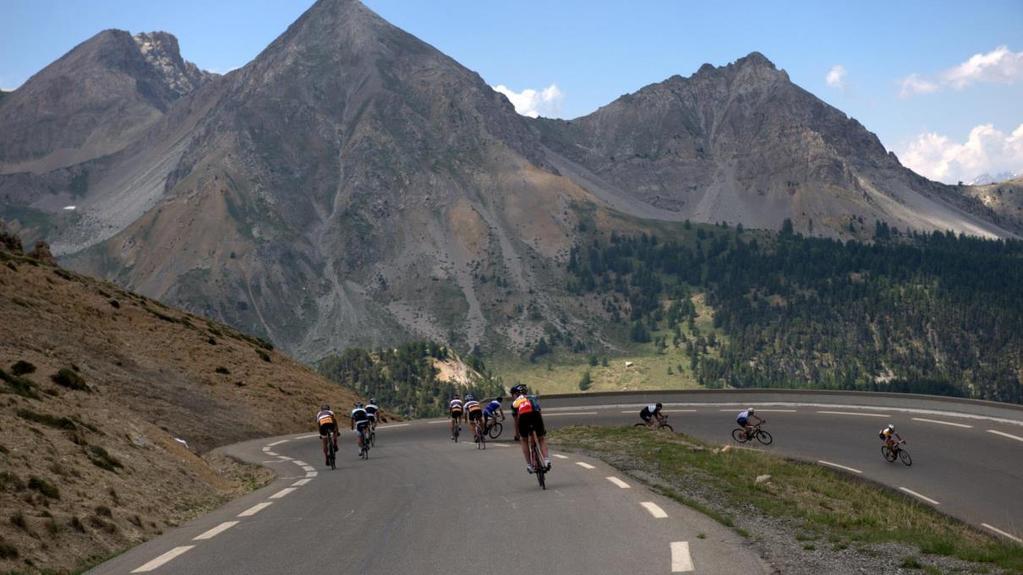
(423,504)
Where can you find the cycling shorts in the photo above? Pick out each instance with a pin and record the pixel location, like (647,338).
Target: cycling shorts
(475,415)
(529,422)
(456,414)
(327,429)
(742,421)
(361,424)
(646,415)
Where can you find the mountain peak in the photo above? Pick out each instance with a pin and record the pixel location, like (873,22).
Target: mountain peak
(755,59)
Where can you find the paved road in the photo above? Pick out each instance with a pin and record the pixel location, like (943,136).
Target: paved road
(424,504)
(959,461)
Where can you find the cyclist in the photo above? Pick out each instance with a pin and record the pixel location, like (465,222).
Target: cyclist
(473,413)
(492,408)
(327,422)
(527,420)
(889,436)
(372,410)
(651,412)
(455,410)
(744,420)
(360,420)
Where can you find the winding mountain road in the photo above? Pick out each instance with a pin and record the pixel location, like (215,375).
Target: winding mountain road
(423,504)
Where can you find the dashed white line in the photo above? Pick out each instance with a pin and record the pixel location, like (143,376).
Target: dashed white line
(266,449)
(284,458)
(572,413)
(830,464)
(276,443)
(584,465)
(618,482)
(439,421)
(268,452)
(162,559)
(393,425)
(1002,533)
(215,531)
(255,509)
(301,482)
(308,468)
(282,493)
(310,474)
(924,419)
(654,509)
(854,413)
(500,444)
(777,411)
(300,463)
(560,456)
(1003,434)
(681,560)
(919,496)
(310,436)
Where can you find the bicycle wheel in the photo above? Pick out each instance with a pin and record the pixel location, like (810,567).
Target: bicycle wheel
(372,439)
(887,453)
(666,426)
(905,458)
(482,438)
(640,425)
(331,453)
(764,437)
(495,430)
(739,434)
(538,464)
(458,429)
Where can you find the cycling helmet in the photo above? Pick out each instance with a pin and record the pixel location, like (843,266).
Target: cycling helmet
(470,397)
(358,405)
(325,407)
(750,410)
(372,400)
(891,426)
(659,405)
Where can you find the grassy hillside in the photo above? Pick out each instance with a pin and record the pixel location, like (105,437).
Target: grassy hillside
(109,403)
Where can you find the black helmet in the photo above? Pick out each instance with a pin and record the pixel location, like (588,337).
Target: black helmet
(325,407)
(372,400)
(659,405)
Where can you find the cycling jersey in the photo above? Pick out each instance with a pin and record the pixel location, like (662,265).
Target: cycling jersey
(455,407)
(743,417)
(371,411)
(472,406)
(887,433)
(523,404)
(648,412)
(491,407)
(359,416)
(326,417)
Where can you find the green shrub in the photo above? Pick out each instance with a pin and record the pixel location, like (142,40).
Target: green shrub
(102,459)
(19,385)
(18,520)
(48,420)
(70,379)
(45,487)
(22,367)
(77,524)
(10,482)
(263,355)
(223,370)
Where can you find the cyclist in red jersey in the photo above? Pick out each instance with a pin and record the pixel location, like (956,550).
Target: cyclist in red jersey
(527,420)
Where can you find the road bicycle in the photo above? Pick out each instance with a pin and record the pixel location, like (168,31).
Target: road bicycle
(661,424)
(739,434)
(896,452)
(372,437)
(364,450)
(536,460)
(331,452)
(478,436)
(493,428)
(458,429)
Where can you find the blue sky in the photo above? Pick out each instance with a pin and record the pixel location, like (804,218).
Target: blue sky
(952,119)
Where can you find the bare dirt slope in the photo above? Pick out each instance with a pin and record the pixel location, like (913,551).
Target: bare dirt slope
(108,402)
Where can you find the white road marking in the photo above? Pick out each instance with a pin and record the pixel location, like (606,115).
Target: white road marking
(310,474)
(276,443)
(268,452)
(310,436)
(266,449)
(162,559)
(282,493)
(500,445)
(963,425)
(822,462)
(618,482)
(1003,434)
(439,421)
(1002,533)
(560,456)
(777,411)
(393,425)
(308,468)
(255,509)
(917,495)
(584,465)
(681,561)
(571,413)
(654,509)
(854,413)
(216,531)
(284,458)
(667,411)
(301,482)
(300,463)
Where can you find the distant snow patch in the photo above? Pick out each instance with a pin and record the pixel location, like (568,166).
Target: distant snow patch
(535,103)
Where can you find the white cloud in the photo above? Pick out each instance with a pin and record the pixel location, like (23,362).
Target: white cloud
(533,103)
(999,66)
(836,77)
(914,84)
(986,150)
